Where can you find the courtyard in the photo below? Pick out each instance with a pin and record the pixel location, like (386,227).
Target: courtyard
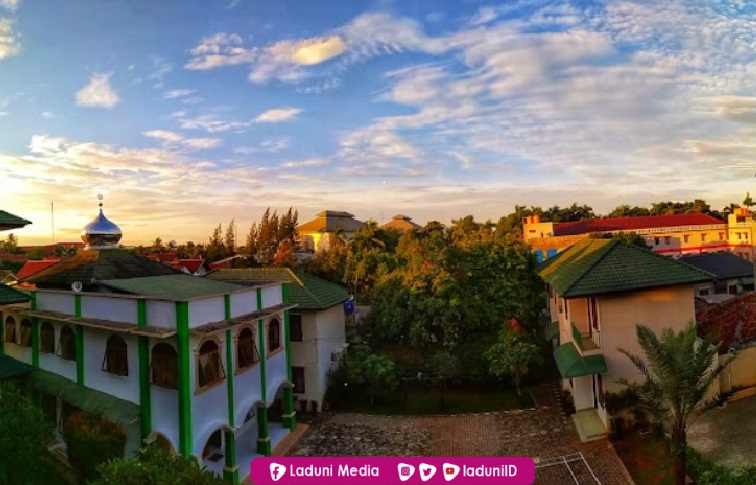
(543,433)
(726,434)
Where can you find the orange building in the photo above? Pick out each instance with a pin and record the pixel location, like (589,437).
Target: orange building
(670,234)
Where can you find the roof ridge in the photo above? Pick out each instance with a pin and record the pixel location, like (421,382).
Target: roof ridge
(305,287)
(612,244)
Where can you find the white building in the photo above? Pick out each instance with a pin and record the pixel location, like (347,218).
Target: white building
(318,339)
(200,366)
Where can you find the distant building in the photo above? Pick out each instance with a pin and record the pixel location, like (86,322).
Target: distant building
(327,229)
(402,223)
(189,363)
(31,267)
(733,274)
(598,291)
(7,277)
(195,267)
(741,226)
(318,338)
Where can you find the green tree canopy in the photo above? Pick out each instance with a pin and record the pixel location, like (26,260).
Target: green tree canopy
(512,355)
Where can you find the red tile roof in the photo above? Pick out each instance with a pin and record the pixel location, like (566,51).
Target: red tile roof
(634,223)
(31,267)
(191,265)
(728,319)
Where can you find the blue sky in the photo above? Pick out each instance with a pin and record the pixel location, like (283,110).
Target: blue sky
(189,113)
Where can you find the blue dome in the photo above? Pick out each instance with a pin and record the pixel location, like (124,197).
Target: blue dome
(101,233)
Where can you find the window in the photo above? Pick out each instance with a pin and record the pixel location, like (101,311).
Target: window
(247,354)
(732,289)
(67,344)
(298,378)
(10,330)
(49,404)
(24,333)
(685,238)
(209,366)
(274,335)
(116,359)
(667,240)
(656,241)
(47,338)
(740,235)
(164,366)
(703,291)
(593,313)
(703,237)
(566,309)
(295,327)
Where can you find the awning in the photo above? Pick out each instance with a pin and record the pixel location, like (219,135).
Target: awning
(551,331)
(222,325)
(117,410)
(571,364)
(10,367)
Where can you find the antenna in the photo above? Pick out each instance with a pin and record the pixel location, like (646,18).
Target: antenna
(100,197)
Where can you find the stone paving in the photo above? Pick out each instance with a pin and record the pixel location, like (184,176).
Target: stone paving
(540,433)
(727,434)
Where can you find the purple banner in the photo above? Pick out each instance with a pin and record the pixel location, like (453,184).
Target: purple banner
(392,470)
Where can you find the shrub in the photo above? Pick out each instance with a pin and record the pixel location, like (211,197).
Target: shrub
(154,466)
(708,472)
(90,441)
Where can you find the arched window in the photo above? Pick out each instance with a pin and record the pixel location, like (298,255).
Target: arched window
(46,338)
(67,344)
(274,335)
(116,356)
(247,354)
(24,333)
(10,330)
(164,366)
(209,365)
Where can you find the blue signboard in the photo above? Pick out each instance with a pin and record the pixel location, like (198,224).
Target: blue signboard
(349,307)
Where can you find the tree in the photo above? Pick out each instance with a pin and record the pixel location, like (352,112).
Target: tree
(10,245)
(376,372)
(679,371)
(229,241)
(626,238)
(748,202)
(90,441)
(36,254)
(625,210)
(154,466)
(444,366)
(157,246)
(216,249)
(512,355)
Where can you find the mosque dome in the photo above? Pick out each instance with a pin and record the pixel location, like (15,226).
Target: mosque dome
(101,233)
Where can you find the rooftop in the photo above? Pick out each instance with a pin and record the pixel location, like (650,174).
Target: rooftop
(11,221)
(307,291)
(328,221)
(601,266)
(178,286)
(31,267)
(723,265)
(8,295)
(634,223)
(732,322)
(400,222)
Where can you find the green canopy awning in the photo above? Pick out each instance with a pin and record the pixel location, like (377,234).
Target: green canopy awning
(10,367)
(115,409)
(571,364)
(551,331)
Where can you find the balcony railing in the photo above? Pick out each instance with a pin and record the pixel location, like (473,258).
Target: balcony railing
(584,340)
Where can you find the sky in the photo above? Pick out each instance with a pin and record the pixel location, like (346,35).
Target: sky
(186,114)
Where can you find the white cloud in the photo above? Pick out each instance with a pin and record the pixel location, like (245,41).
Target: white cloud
(273,145)
(9,43)
(10,4)
(315,162)
(314,51)
(48,114)
(168,136)
(277,115)
(177,93)
(160,69)
(202,143)
(98,93)
(484,15)
(210,123)
(3,114)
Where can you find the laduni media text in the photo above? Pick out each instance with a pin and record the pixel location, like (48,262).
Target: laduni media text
(407,470)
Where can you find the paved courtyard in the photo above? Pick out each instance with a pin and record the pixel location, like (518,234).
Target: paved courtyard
(542,433)
(727,434)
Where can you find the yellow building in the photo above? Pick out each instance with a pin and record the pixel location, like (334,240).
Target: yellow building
(596,303)
(741,226)
(329,228)
(669,234)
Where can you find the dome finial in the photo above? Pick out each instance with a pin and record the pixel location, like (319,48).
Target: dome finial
(101,233)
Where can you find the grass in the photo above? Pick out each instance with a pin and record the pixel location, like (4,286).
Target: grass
(647,458)
(425,402)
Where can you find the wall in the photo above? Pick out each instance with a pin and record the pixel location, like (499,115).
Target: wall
(161,314)
(275,370)
(741,372)
(53,363)
(331,338)
(18,352)
(123,387)
(271,296)
(164,403)
(657,309)
(103,308)
(206,310)
(55,302)
(243,303)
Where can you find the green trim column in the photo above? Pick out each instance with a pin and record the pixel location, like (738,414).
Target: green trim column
(184,379)
(231,470)
(145,397)
(230,374)
(79,343)
(289,418)
(263,434)
(34,332)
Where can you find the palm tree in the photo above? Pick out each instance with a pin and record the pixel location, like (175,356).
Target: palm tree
(680,370)
(367,237)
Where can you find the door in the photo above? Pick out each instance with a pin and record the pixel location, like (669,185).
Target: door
(595,392)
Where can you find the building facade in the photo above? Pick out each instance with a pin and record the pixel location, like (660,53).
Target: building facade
(329,228)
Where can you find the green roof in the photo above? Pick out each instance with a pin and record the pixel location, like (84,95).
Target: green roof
(307,291)
(571,364)
(599,266)
(10,367)
(9,295)
(10,221)
(172,287)
(90,266)
(117,410)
